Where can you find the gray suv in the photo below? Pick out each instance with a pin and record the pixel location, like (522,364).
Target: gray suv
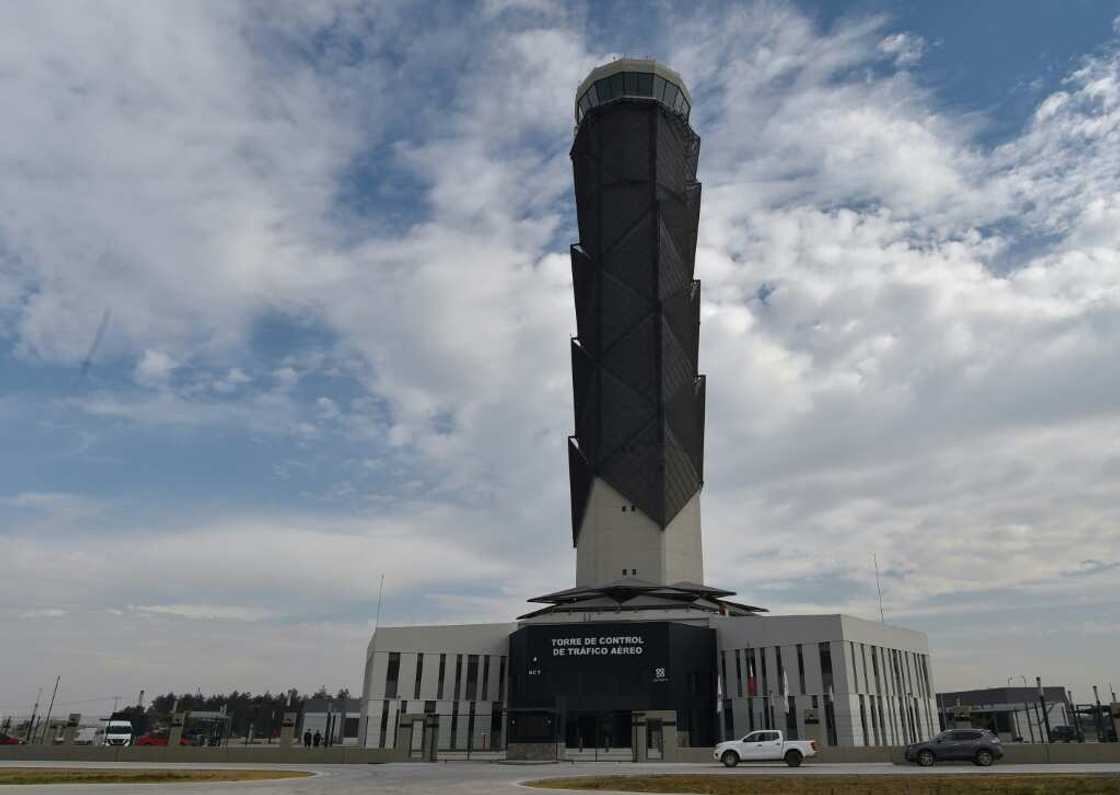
(961,745)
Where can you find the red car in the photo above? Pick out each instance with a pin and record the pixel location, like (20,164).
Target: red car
(157,738)
(7,739)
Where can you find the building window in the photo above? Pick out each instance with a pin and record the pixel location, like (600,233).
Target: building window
(442,676)
(392,674)
(472,677)
(863,657)
(502,679)
(470,727)
(801,668)
(455,724)
(863,720)
(617,84)
(429,707)
(419,674)
(855,670)
(825,651)
(874,718)
(723,673)
(738,674)
(350,727)
(384,724)
(485,678)
(781,686)
(728,719)
(765,680)
(458,676)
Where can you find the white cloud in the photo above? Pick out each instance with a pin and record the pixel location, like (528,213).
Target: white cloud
(905,48)
(207,612)
(154,368)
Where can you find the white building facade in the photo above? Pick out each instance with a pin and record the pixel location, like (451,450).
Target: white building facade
(841,680)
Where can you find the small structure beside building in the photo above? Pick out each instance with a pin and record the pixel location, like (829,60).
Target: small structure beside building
(336,720)
(1014,713)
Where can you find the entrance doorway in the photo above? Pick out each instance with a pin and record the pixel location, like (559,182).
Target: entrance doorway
(592,736)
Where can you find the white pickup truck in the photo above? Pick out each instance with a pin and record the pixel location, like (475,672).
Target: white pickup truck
(769,746)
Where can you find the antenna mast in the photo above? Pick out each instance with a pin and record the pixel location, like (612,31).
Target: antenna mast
(882,616)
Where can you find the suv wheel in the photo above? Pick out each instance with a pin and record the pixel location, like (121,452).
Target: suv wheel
(793,758)
(729,758)
(984,758)
(925,758)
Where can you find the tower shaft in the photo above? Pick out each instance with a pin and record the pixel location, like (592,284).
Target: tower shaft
(636,459)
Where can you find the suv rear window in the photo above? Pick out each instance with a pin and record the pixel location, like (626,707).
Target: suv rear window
(968,735)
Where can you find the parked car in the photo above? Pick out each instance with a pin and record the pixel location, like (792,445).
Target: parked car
(1063,734)
(89,735)
(158,738)
(978,746)
(765,746)
(7,739)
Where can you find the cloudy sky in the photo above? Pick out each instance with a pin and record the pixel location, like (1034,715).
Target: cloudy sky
(285,306)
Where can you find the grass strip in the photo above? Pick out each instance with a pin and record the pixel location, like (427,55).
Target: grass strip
(93,775)
(751,784)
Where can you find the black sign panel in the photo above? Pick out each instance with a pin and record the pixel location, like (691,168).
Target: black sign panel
(615,667)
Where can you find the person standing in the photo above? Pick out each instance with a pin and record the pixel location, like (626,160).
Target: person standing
(318,738)
(307,739)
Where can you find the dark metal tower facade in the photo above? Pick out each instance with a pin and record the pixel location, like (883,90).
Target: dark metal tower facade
(639,398)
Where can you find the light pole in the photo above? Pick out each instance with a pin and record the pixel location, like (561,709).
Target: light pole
(1076,717)
(1097,716)
(1042,703)
(1014,712)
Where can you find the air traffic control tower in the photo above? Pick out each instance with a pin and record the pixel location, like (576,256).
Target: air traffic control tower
(641,656)
(636,460)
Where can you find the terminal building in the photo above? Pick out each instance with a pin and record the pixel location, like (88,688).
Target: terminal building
(641,640)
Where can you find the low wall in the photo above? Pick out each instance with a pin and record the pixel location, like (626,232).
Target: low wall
(534,752)
(232,753)
(1061,753)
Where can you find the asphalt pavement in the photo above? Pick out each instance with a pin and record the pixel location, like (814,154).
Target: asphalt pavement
(484,778)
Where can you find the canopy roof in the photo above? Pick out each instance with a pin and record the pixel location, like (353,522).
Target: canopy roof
(631,594)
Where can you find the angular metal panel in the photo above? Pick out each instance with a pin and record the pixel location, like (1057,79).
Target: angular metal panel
(623,208)
(674,271)
(678,370)
(623,413)
(682,480)
(583,286)
(632,359)
(631,259)
(636,471)
(682,313)
(580,478)
(622,309)
(639,402)
(625,143)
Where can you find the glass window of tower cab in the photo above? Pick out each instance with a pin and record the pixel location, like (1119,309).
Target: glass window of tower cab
(641,657)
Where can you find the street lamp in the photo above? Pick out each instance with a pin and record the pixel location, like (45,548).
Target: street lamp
(1097,716)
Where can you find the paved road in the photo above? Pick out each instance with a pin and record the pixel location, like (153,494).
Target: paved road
(481,778)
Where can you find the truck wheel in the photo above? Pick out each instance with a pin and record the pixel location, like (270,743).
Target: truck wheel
(729,758)
(793,758)
(984,758)
(925,758)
